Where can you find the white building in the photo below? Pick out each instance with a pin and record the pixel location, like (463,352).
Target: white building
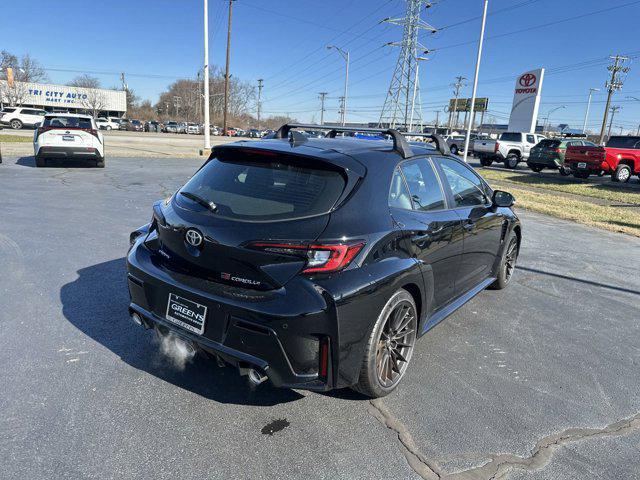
(62,98)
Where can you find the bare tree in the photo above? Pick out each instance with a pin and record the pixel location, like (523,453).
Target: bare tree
(30,70)
(85,81)
(13,95)
(94,101)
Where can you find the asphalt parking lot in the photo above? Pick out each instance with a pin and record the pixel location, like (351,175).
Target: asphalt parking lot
(537,381)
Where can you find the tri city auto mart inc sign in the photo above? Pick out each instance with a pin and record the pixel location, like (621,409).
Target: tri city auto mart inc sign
(58,96)
(40,94)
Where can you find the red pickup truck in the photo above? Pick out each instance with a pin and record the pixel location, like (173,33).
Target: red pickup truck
(620,158)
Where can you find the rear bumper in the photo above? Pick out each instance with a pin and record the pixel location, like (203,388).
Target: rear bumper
(88,153)
(592,166)
(279,332)
(548,162)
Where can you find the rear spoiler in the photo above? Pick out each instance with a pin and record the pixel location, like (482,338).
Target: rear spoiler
(400,144)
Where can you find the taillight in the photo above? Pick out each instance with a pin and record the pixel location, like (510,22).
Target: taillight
(558,150)
(92,132)
(496,147)
(320,258)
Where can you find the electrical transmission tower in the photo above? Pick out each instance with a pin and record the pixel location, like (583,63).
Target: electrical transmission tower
(400,104)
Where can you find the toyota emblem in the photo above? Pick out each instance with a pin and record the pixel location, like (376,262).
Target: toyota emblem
(527,80)
(193,237)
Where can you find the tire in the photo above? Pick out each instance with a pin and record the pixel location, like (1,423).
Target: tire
(16,124)
(583,174)
(398,314)
(511,161)
(622,174)
(100,163)
(41,162)
(507,263)
(564,172)
(486,162)
(536,168)
(454,149)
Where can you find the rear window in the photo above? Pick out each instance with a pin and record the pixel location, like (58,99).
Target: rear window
(67,122)
(249,188)
(7,110)
(549,143)
(511,137)
(624,142)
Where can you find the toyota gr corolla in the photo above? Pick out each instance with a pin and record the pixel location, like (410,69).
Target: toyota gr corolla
(317,263)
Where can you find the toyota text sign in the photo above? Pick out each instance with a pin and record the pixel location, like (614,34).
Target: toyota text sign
(526,100)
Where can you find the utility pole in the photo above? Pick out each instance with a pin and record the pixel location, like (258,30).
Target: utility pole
(207,130)
(322,109)
(226,73)
(615,83)
(345,55)
(260,85)
(456,92)
(586,114)
(398,102)
(614,109)
(437,120)
(176,103)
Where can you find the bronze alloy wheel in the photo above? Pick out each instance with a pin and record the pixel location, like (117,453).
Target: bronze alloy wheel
(395,344)
(510,259)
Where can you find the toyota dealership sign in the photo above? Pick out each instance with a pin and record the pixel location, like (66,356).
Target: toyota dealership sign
(526,100)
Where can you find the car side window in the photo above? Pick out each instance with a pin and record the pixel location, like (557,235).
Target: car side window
(531,139)
(467,188)
(423,184)
(398,194)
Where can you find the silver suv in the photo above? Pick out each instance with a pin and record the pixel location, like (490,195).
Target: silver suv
(19,117)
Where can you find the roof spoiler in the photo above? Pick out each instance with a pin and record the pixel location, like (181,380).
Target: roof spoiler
(400,144)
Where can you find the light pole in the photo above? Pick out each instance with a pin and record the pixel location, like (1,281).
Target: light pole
(586,114)
(546,122)
(415,89)
(345,55)
(637,100)
(475,80)
(207,132)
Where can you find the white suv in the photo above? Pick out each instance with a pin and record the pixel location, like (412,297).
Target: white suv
(68,135)
(18,117)
(107,123)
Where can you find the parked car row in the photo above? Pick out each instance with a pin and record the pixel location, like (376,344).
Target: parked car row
(619,157)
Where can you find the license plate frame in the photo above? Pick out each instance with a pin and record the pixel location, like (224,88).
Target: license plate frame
(186,313)
(582,165)
(68,138)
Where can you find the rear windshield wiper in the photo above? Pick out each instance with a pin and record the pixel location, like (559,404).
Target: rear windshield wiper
(212,207)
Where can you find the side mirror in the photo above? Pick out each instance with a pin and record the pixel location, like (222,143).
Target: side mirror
(37,125)
(502,199)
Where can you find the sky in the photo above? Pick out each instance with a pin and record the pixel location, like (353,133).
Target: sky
(284,42)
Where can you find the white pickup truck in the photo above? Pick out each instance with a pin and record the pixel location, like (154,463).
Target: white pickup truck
(511,148)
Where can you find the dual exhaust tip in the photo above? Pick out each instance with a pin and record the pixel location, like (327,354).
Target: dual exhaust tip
(256,376)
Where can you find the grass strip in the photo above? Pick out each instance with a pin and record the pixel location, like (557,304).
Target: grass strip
(585,188)
(611,218)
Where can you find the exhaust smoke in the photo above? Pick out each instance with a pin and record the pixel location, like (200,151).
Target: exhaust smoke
(175,349)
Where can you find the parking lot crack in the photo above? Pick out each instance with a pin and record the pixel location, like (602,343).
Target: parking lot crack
(416,460)
(500,465)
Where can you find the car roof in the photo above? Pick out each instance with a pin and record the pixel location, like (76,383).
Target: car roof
(71,115)
(328,147)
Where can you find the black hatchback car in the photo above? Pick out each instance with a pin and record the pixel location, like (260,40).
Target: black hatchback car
(317,263)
